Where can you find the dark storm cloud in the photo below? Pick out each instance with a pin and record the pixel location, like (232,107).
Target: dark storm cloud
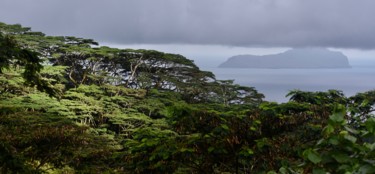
(264,23)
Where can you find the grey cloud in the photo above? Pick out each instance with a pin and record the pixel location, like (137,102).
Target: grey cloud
(263,23)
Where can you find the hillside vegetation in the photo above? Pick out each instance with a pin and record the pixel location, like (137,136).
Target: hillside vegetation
(68,105)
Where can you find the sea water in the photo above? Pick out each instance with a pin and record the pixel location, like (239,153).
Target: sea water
(276,83)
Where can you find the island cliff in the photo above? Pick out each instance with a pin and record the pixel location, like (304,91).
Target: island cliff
(295,58)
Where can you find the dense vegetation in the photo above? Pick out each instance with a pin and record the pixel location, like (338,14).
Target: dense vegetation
(68,105)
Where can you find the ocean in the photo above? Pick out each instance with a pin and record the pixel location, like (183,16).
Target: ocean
(276,83)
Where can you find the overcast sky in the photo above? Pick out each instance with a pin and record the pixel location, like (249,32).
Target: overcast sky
(261,23)
(208,25)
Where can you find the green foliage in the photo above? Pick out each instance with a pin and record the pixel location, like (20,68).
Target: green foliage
(151,150)
(343,148)
(33,142)
(13,55)
(145,111)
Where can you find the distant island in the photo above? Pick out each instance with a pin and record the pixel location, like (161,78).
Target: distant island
(294,58)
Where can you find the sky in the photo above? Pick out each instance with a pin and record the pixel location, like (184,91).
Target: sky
(205,30)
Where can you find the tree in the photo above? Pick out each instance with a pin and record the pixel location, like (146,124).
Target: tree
(12,55)
(228,93)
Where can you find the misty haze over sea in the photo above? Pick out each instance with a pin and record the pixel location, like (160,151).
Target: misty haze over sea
(276,83)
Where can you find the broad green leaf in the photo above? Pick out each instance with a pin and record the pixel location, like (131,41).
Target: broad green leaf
(165,155)
(370,146)
(341,157)
(353,131)
(250,152)
(321,141)
(370,125)
(367,169)
(283,170)
(337,117)
(253,128)
(257,121)
(312,156)
(318,171)
(344,167)
(328,130)
(262,142)
(334,140)
(210,149)
(225,127)
(350,138)
(187,149)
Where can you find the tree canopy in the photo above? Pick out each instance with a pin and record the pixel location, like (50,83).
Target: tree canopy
(146,111)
